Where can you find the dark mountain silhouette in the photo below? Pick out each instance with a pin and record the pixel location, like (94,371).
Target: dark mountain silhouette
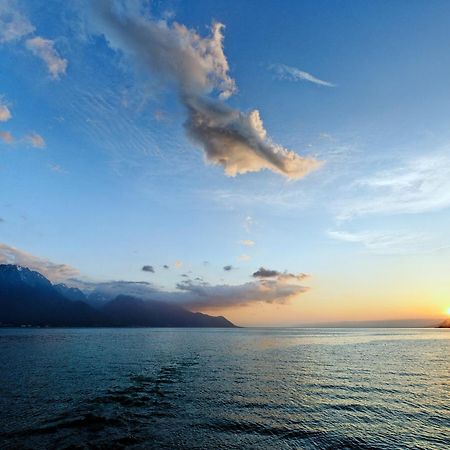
(125,309)
(28,298)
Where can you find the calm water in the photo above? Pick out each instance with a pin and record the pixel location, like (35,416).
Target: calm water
(244,388)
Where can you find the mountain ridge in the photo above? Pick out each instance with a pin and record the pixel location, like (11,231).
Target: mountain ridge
(29,298)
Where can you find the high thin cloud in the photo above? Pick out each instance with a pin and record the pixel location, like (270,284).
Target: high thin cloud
(284,72)
(54,272)
(13,24)
(198,69)
(45,49)
(35,140)
(387,242)
(418,186)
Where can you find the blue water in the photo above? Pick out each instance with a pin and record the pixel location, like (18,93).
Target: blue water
(239,388)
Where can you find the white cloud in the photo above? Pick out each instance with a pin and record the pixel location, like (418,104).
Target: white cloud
(386,242)
(420,185)
(35,140)
(198,69)
(45,49)
(244,257)
(247,242)
(54,272)
(284,72)
(13,24)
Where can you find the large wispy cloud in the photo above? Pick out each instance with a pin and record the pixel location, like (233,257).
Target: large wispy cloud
(45,50)
(54,272)
(284,72)
(416,186)
(198,69)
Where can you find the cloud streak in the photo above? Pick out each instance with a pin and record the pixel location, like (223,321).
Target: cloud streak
(284,72)
(198,69)
(386,242)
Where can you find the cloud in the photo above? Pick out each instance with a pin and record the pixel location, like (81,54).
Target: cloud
(247,242)
(418,186)
(7,137)
(284,72)
(54,272)
(227,268)
(244,257)
(165,266)
(203,295)
(57,168)
(148,269)
(178,264)
(386,242)
(5,113)
(13,24)
(248,223)
(198,69)
(198,295)
(44,49)
(280,276)
(35,140)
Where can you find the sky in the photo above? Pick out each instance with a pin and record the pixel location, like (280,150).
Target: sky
(278,166)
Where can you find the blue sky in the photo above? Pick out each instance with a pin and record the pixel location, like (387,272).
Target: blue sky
(99,172)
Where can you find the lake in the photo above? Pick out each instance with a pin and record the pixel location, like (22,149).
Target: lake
(250,388)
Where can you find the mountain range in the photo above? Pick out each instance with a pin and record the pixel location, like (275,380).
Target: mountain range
(29,298)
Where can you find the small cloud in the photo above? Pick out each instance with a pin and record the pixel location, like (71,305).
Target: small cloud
(148,269)
(227,268)
(44,49)
(247,242)
(265,273)
(244,257)
(165,266)
(35,140)
(57,168)
(283,72)
(178,264)
(280,276)
(184,275)
(6,137)
(248,223)
(5,113)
